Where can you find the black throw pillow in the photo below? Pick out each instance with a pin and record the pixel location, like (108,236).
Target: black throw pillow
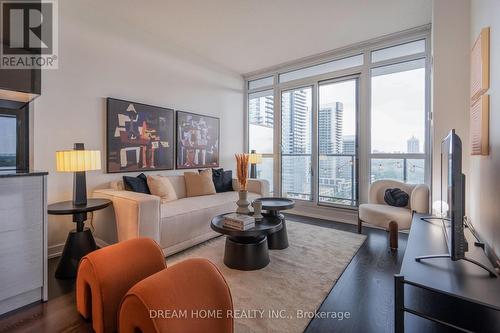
(396,197)
(136,184)
(223,180)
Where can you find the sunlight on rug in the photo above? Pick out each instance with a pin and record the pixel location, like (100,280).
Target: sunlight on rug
(296,281)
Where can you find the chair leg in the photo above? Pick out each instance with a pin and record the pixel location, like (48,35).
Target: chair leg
(359,225)
(393,235)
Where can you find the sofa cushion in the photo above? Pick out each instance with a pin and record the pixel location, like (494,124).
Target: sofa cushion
(199,183)
(381,215)
(161,186)
(179,185)
(136,184)
(186,205)
(186,222)
(223,180)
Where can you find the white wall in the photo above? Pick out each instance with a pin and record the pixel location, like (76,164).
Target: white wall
(484,175)
(99,60)
(450,79)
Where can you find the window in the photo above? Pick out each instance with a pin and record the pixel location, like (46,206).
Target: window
(296,143)
(399,51)
(265,170)
(261,122)
(398,122)
(14,139)
(329,128)
(8,143)
(261,132)
(259,83)
(326,67)
(337,138)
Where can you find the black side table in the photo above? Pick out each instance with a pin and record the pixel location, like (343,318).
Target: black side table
(247,250)
(80,240)
(277,240)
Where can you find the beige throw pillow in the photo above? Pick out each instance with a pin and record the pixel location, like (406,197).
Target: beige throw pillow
(199,183)
(161,186)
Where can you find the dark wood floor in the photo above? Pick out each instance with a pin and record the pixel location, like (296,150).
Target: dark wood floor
(365,290)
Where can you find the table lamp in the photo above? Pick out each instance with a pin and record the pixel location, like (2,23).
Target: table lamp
(254,159)
(78,161)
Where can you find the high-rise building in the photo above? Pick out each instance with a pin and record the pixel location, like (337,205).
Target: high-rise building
(346,167)
(413,145)
(261,111)
(295,122)
(330,142)
(349,145)
(330,128)
(296,134)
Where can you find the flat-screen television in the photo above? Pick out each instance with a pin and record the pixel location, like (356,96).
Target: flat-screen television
(453,194)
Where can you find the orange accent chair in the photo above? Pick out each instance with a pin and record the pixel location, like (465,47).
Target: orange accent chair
(105,275)
(191,296)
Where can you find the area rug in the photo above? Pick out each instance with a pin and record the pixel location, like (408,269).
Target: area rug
(282,296)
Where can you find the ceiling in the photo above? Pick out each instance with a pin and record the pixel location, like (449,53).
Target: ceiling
(247,35)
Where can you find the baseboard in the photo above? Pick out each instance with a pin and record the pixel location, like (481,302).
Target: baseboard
(54,251)
(344,216)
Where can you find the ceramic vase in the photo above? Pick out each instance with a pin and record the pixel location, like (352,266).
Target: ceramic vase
(243,203)
(257,210)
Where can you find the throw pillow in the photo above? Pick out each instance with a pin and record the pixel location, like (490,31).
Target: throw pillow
(162,187)
(223,180)
(396,197)
(136,184)
(199,183)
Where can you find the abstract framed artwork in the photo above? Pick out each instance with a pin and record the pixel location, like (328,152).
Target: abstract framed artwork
(139,137)
(197,141)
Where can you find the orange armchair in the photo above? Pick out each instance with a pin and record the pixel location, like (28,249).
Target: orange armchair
(104,277)
(191,296)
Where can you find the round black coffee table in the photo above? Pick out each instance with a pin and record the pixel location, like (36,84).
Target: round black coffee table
(80,240)
(277,240)
(247,250)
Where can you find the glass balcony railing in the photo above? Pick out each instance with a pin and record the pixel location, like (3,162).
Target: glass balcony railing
(408,170)
(337,179)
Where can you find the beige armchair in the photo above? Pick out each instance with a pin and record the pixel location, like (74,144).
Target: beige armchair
(378,213)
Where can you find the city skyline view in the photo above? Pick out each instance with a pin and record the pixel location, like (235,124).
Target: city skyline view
(8,143)
(400,132)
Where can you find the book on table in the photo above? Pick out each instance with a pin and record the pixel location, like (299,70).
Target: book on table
(239,221)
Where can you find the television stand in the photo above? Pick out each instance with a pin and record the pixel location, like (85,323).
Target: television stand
(444,295)
(492,274)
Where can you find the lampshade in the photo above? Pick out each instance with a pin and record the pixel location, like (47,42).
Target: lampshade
(440,208)
(78,160)
(255,158)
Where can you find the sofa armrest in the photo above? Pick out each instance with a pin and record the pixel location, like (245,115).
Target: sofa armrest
(136,214)
(419,199)
(259,186)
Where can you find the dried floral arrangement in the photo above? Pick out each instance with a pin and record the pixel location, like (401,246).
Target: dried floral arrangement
(242,170)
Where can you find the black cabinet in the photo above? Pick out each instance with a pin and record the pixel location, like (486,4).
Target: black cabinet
(441,295)
(18,87)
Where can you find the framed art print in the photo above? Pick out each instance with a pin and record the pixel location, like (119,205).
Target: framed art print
(480,65)
(479,126)
(197,141)
(139,137)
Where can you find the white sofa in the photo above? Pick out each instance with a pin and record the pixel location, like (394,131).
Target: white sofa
(175,225)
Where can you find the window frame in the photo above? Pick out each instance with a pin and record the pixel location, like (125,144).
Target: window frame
(364,100)
(22,135)
(426,156)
